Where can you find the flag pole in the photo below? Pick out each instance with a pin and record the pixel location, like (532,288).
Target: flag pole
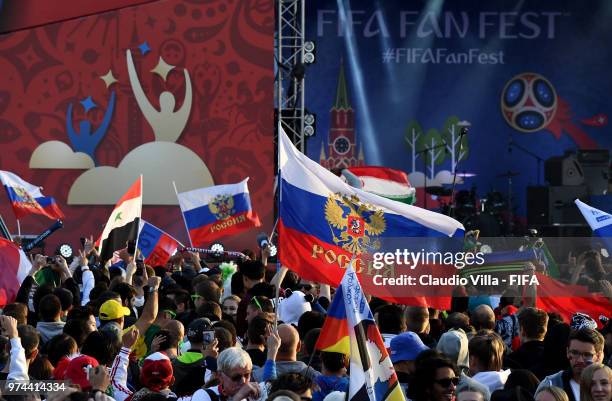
(18,229)
(139,218)
(182,214)
(278,209)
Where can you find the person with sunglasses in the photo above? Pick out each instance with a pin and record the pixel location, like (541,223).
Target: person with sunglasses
(234,369)
(435,379)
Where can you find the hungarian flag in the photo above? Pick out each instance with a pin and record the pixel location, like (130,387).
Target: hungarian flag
(123,224)
(383,181)
(14,268)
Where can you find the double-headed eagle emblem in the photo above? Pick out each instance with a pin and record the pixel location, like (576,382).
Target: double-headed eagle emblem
(222,206)
(354,224)
(27,198)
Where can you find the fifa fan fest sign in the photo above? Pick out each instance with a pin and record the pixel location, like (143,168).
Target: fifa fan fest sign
(407,74)
(91,102)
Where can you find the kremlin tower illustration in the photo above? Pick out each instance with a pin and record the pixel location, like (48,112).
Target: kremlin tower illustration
(342,144)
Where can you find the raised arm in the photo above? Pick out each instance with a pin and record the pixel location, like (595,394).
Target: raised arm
(141,98)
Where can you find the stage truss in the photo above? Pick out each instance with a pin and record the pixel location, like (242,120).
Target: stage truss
(289,67)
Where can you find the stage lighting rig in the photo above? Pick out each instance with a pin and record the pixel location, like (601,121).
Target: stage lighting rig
(309,52)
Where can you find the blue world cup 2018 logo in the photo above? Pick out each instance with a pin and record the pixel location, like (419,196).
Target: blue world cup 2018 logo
(528,102)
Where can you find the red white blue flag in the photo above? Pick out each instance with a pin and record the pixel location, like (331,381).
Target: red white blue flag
(27,198)
(14,268)
(155,245)
(214,212)
(324,222)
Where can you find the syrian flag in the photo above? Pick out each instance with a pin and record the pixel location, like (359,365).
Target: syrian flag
(123,223)
(383,181)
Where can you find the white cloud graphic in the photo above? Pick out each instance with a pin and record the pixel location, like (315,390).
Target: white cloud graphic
(56,154)
(160,163)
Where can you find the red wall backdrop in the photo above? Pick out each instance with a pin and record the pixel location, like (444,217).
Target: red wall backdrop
(227,47)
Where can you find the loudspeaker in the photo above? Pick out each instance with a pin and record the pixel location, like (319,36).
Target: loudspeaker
(554,205)
(596,167)
(563,170)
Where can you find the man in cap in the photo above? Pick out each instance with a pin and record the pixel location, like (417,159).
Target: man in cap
(190,367)
(112,316)
(405,348)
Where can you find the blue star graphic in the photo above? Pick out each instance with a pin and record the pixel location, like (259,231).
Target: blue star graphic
(144,48)
(88,104)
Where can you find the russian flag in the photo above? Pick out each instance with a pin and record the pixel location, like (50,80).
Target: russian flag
(155,245)
(600,222)
(324,221)
(14,268)
(27,198)
(217,211)
(334,336)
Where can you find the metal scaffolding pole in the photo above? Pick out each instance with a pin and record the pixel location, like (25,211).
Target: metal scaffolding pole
(290,69)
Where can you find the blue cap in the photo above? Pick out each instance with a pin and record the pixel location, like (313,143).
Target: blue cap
(406,347)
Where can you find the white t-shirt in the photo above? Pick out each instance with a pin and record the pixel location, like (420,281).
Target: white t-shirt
(575,389)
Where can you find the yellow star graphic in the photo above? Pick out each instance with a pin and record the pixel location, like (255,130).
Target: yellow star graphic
(109,78)
(162,68)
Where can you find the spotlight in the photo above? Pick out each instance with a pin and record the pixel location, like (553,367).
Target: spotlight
(309,58)
(309,123)
(309,46)
(65,251)
(309,119)
(309,130)
(309,52)
(486,249)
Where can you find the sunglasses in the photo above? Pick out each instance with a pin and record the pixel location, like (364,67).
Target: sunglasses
(171,313)
(238,377)
(446,383)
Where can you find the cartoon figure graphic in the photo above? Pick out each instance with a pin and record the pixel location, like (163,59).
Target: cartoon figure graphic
(85,141)
(166,123)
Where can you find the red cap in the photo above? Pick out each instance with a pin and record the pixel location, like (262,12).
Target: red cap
(156,373)
(76,371)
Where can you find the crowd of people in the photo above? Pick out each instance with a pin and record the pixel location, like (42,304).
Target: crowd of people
(188,331)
